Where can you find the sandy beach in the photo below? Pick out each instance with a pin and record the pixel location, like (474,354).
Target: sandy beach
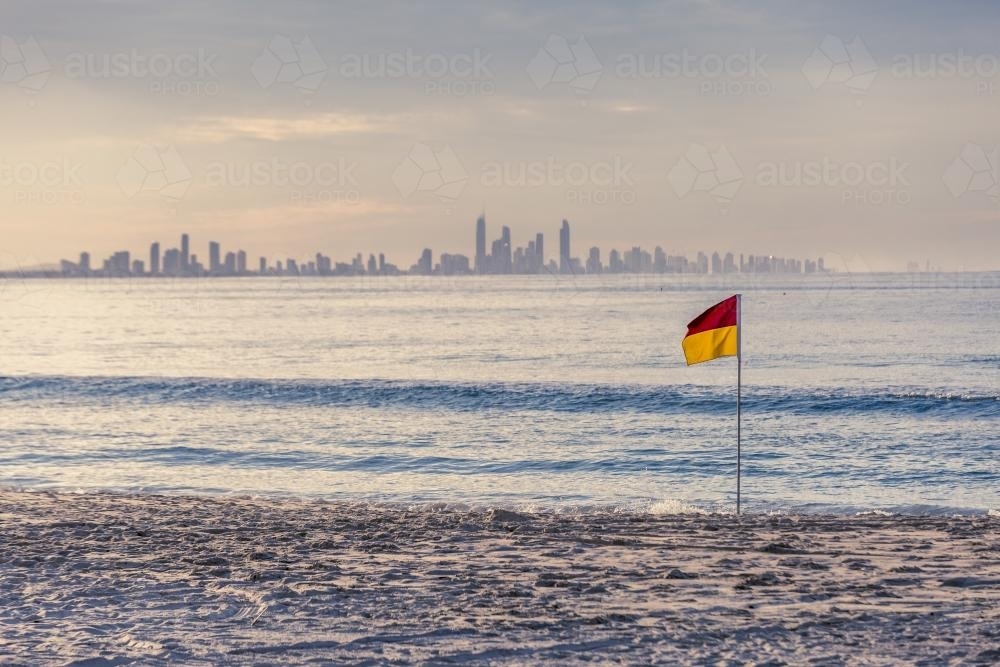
(103,579)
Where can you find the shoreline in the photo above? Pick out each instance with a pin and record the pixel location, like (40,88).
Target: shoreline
(152,579)
(553,507)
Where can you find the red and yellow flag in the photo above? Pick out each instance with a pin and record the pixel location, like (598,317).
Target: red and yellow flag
(715,333)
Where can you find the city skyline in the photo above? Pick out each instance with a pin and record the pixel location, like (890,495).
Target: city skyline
(502,259)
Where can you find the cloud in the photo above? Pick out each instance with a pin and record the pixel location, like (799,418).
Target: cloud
(630,108)
(220,129)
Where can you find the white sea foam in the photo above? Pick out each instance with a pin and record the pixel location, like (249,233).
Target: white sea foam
(674,506)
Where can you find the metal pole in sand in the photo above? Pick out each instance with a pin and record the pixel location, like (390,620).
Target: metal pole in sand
(739,391)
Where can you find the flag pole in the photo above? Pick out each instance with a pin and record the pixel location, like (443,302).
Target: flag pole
(739,391)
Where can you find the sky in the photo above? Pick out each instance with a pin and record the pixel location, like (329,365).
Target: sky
(865,131)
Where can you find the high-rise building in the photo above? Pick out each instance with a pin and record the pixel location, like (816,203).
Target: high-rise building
(615,263)
(702,263)
(564,252)
(138,268)
(84,263)
(539,251)
(452,265)
(214,257)
(120,264)
(594,261)
(481,244)
(241,262)
(424,265)
(729,264)
(659,260)
(185,252)
(154,259)
(230,266)
(172,262)
(263,265)
(506,261)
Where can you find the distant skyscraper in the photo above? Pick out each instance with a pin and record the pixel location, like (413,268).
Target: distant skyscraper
(84,263)
(702,262)
(540,250)
(659,260)
(241,262)
(506,262)
(120,264)
(594,261)
(154,259)
(564,252)
(214,257)
(185,252)
(425,265)
(263,265)
(230,265)
(172,262)
(481,244)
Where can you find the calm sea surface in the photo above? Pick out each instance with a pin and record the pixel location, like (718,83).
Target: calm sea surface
(860,392)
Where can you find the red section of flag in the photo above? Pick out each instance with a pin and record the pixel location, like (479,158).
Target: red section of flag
(722,314)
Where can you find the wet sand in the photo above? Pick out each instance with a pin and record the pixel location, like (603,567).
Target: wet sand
(104,579)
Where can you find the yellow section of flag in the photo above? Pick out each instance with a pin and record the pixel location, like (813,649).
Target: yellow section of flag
(711,344)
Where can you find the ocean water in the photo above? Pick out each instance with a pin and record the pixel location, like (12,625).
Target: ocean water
(553,392)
